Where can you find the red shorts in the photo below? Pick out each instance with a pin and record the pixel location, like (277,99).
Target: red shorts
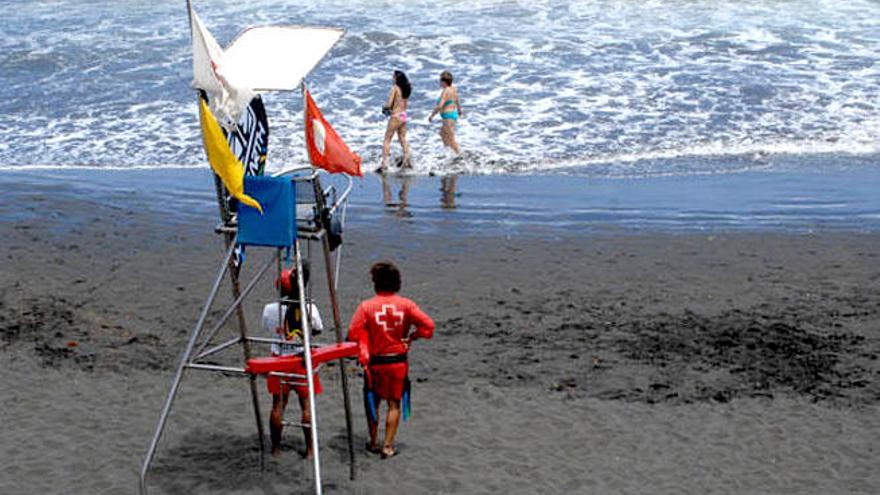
(276,387)
(388,380)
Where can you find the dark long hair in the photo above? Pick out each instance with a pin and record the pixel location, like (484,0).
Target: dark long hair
(402,82)
(293,295)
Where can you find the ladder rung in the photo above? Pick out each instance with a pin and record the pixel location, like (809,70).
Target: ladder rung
(296,423)
(309,300)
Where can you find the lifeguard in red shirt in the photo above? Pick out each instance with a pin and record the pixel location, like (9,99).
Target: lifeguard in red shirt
(381,327)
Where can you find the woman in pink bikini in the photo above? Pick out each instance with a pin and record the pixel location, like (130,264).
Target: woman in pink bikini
(395,109)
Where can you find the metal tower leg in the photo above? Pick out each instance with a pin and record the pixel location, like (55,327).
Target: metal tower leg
(184,359)
(246,349)
(310,371)
(331,284)
(226,216)
(342,368)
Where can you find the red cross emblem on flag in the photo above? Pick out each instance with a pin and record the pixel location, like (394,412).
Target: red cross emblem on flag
(389,318)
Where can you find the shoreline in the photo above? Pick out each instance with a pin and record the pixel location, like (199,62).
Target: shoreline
(803,200)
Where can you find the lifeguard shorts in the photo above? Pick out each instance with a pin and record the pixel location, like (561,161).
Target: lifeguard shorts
(388,380)
(277,385)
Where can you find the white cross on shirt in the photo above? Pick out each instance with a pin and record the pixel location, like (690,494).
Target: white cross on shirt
(389,318)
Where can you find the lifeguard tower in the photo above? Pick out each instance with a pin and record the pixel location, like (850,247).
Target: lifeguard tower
(288,212)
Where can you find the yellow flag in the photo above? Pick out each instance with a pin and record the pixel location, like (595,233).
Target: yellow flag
(224,163)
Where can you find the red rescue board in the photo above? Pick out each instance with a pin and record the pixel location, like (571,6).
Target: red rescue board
(296,364)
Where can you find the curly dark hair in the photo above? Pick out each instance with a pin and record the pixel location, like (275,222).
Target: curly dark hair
(386,277)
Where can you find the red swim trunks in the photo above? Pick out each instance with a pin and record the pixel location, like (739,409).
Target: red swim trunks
(275,385)
(387,380)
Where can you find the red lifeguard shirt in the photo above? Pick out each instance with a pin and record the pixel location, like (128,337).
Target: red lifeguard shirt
(381,323)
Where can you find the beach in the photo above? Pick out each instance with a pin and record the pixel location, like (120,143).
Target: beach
(609,361)
(653,268)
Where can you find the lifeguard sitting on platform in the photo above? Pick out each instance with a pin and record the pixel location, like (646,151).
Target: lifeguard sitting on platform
(381,327)
(289,328)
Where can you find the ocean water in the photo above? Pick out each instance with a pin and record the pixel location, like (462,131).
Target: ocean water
(625,99)
(598,87)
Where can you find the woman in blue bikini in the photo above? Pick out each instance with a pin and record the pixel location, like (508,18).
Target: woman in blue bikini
(449,109)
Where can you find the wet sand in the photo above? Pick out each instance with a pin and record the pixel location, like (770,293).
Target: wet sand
(600,363)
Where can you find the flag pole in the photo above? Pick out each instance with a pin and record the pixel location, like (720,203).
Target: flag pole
(234,269)
(303,89)
(331,284)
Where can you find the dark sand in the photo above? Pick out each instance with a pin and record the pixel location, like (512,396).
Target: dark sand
(631,363)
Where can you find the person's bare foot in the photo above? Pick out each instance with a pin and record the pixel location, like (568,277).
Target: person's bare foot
(388,451)
(307,454)
(276,452)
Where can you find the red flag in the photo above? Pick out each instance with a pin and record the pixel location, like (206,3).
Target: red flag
(326,149)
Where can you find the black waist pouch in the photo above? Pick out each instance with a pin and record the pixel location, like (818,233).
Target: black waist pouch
(387,359)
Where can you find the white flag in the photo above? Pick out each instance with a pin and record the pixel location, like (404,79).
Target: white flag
(228,99)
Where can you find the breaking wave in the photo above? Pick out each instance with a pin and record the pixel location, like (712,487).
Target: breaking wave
(617,88)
